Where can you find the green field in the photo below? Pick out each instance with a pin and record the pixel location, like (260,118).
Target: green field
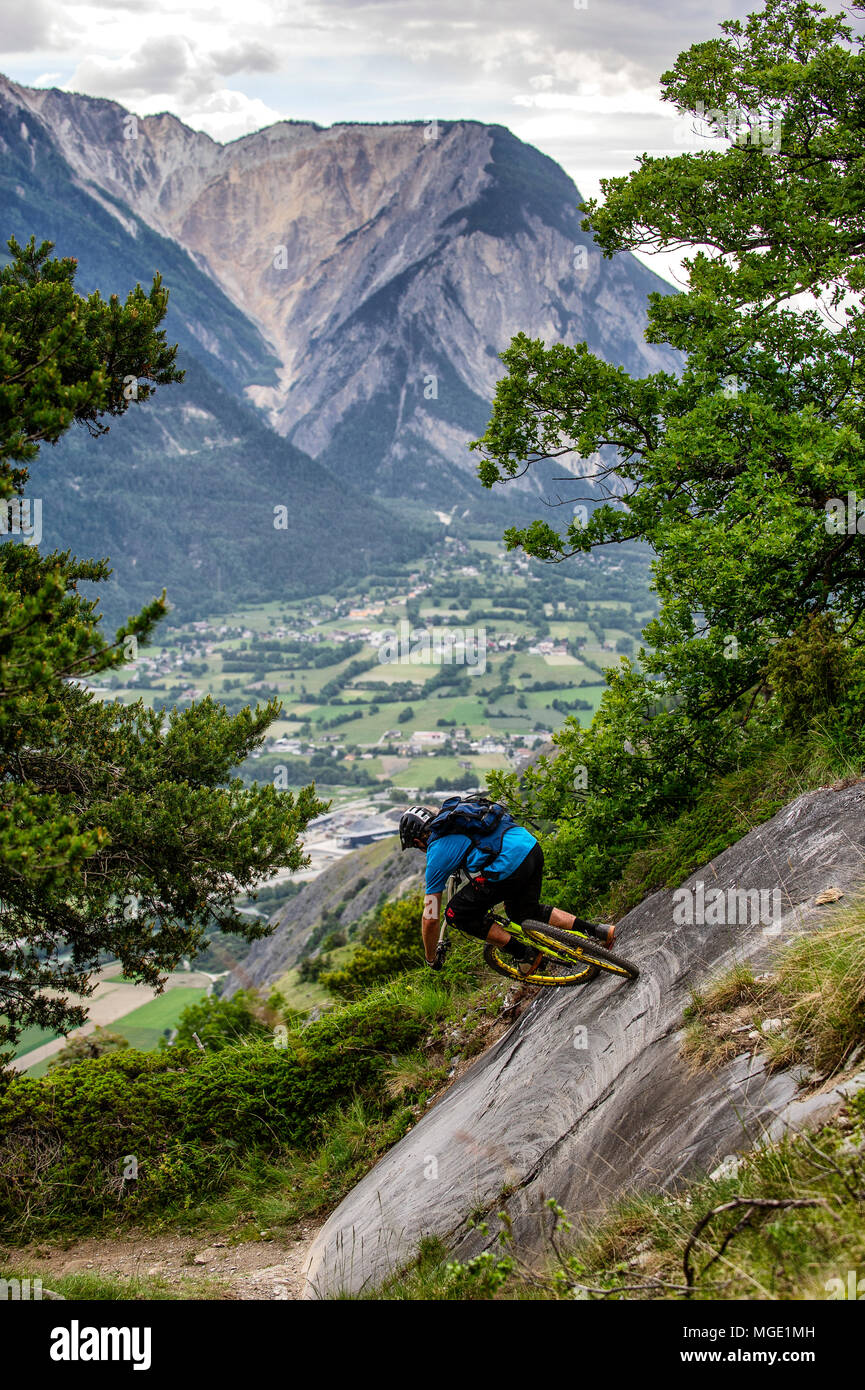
(573,606)
(309,994)
(142,1027)
(32,1038)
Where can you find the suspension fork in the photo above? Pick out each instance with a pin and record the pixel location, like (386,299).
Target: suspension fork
(453,883)
(451,887)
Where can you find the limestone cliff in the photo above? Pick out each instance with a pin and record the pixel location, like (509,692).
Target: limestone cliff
(386,266)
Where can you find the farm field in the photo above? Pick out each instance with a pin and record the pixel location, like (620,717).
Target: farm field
(142,1026)
(538,641)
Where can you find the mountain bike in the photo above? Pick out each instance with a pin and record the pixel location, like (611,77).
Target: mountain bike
(570,957)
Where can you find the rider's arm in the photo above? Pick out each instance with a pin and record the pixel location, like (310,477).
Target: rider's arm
(432,905)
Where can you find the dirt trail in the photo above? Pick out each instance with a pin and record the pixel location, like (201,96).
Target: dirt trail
(253,1269)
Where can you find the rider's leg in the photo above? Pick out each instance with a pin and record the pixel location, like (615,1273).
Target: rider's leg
(522,894)
(469,910)
(603,932)
(498,934)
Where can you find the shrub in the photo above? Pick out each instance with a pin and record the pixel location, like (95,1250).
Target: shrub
(88,1045)
(137,1131)
(392,944)
(222,1022)
(810,672)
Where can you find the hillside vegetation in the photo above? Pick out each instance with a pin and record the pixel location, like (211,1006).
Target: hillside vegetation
(749,689)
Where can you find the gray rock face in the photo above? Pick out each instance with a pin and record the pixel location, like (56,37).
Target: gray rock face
(587,1095)
(386,265)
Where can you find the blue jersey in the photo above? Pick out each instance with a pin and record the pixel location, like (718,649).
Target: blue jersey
(450,852)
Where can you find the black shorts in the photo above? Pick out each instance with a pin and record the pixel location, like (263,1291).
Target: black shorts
(520,892)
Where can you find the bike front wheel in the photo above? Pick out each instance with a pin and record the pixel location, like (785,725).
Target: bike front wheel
(553,971)
(578,948)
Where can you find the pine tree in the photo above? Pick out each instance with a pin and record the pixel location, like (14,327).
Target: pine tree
(122,831)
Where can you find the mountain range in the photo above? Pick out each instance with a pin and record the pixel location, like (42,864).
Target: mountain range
(340,297)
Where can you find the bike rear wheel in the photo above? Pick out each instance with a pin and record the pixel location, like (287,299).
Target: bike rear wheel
(553,971)
(574,946)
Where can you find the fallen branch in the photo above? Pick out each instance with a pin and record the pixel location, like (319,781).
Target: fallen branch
(752,1205)
(645,1288)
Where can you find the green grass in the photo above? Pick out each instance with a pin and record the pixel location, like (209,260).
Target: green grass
(98,1288)
(817,989)
(31,1038)
(782,1253)
(370,727)
(309,994)
(144,1026)
(422,772)
(720,1015)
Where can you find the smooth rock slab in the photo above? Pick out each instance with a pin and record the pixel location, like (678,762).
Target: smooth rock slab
(552,1111)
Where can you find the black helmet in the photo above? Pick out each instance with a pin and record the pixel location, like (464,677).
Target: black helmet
(413,823)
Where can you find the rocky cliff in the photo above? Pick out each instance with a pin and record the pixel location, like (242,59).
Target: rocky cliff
(350,889)
(386,266)
(587,1095)
(180,492)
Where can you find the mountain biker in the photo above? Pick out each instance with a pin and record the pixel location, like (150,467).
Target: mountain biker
(513,877)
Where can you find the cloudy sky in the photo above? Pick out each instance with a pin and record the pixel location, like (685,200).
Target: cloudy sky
(576,78)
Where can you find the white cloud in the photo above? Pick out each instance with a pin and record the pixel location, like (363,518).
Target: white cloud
(226,115)
(250,56)
(167,72)
(622,103)
(581,84)
(165,64)
(29,25)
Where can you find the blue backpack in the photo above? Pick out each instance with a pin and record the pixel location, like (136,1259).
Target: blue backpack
(484,821)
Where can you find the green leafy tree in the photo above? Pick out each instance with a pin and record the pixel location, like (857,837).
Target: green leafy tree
(85,1046)
(734,468)
(731,467)
(223,1022)
(65,359)
(391,945)
(311,968)
(121,830)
